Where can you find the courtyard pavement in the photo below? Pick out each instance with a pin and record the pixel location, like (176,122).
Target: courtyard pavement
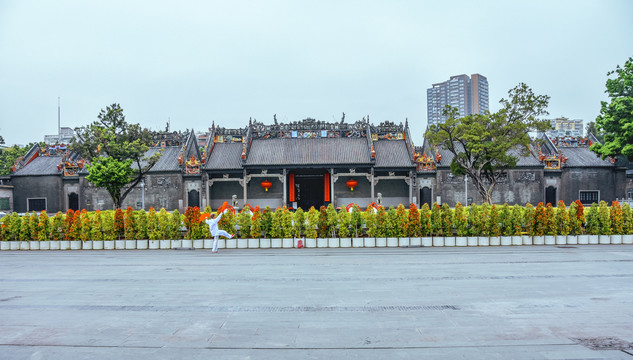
(528,302)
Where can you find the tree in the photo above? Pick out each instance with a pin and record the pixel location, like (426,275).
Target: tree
(115,151)
(9,155)
(486,145)
(591,129)
(616,117)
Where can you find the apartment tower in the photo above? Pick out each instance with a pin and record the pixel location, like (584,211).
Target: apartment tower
(468,94)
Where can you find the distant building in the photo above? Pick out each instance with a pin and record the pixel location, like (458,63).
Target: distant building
(65,135)
(563,126)
(468,94)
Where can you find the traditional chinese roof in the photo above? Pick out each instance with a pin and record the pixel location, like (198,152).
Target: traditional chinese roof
(41,165)
(168,161)
(392,154)
(225,156)
(305,152)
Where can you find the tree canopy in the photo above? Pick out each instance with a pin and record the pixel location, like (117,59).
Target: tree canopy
(616,117)
(115,151)
(484,146)
(9,155)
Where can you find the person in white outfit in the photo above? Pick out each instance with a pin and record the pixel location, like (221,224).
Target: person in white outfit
(215,231)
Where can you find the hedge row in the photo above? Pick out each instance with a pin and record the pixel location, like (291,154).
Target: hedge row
(474,220)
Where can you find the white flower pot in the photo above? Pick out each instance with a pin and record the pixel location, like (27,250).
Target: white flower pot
(561,239)
(287,243)
(461,241)
(627,239)
(241,243)
(605,239)
(495,241)
(5,246)
(472,241)
(415,241)
(199,244)
(75,245)
(297,241)
(527,239)
(345,242)
(45,245)
(449,241)
(108,244)
(26,245)
(14,245)
(154,244)
(232,243)
(369,242)
(208,243)
(264,243)
(119,244)
(64,245)
(506,241)
(572,239)
(583,239)
(517,240)
(483,241)
(438,241)
(358,242)
(130,244)
(33,245)
(616,239)
(392,242)
(87,245)
(403,242)
(222,244)
(381,242)
(176,243)
(186,243)
(142,244)
(165,244)
(427,241)
(333,242)
(538,240)
(253,243)
(594,239)
(322,242)
(97,245)
(550,240)
(310,243)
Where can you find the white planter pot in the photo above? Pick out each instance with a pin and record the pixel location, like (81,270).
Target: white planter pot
(381,242)
(241,243)
(298,241)
(75,245)
(165,244)
(594,239)
(461,241)
(333,242)
(287,243)
(527,239)
(572,240)
(14,245)
(310,243)
(64,245)
(108,244)
(392,242)
(427,241)
(616,239)
(142,244)
(506,241)
(403,242)
(561,239)
(264,243)
(154,244)
(472,241)
(438,241)
(45,245)
(483,241)
(25,245)
(199,243)
(538,240)
(231,243)
(253,243)
(605,239)
(176,243)
(5,246)
(358,242)
(517,240)
(119,244)
(34,245)
(495,240)
(186,243)
(55,245)
(322,242)
(369,242)
(627,239)
(97,245)
(345,242)
(550,240)
(222,244)
(583,239)
(449,241)
(208,243)
(415,241)
(87,245)
(130,244)
(275,243)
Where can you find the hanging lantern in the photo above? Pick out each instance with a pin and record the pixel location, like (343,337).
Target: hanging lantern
(266,184)
(351,184)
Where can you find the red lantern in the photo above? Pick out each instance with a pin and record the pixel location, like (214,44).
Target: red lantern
(266,184)
(351,184)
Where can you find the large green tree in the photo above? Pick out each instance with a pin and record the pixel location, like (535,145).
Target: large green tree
(616,117)
(116,152)
(9,155)
(484,146)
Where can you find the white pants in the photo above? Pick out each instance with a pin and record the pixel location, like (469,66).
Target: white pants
(215,238)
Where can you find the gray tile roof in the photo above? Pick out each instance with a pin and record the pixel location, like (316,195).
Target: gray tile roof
(392,154)
(447,157)
(41,165)
(583,157)
(319,151)
(168,161)
(225,156)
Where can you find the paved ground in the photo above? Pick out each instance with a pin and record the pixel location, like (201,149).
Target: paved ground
(437,303)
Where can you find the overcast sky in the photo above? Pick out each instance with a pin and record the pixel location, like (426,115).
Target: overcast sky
(227,61)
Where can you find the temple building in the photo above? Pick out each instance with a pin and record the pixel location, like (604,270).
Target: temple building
(313,163)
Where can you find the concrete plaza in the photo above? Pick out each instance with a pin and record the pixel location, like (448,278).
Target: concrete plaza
(528,302)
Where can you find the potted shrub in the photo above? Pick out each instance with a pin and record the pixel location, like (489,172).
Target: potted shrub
(425,225)
(549,227)
(119,229)
(562,223)
(130,229)
(461,225)
(85,228)
(576,222)
(96,232)
(527,224)
(109,234)
(152,229)
(617,223)
(413,226)
(604,219)
(142,242)
(627,224)
(311,221)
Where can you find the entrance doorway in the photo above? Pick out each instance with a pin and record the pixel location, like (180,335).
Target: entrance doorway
(550,195)
(193,198)
(309,191)
(426,196)
(73,201)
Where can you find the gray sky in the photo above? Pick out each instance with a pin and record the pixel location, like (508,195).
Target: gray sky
(226,61)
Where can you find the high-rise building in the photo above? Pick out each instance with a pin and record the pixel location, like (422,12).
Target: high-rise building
(563,126)
(468,94)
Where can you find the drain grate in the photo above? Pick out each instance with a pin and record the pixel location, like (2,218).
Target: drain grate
(604,343)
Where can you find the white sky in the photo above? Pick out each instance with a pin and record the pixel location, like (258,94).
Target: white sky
(226,61)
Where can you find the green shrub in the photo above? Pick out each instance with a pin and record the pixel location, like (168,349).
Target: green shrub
(266,221)
(391,223)
(627,219)
(529,220)
(153,231)
(15,227)
(141,225)
(617,221)
(227,223)
(517,219)
(57,226)
(43,227)
(381,222)
(604,218)
(447,220)
(129,225)
(96,233)
(244,222)
(275,230)
(475,222)
(436,220)
(505,218)
(256,223)
(312,222)
(356,221)
(593,222)
(550,218)
(562,222)
(331,220)
(85,221)
(371,220)
(461,220)
(413,228)
(425,220)
(540,221)
(344,218)
(298,224)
